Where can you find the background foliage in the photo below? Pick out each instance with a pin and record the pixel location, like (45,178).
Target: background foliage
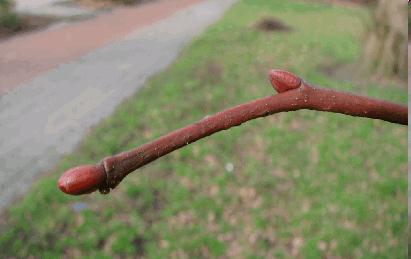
(8,19)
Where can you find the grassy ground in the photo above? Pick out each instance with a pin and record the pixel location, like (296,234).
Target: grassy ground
(303,184)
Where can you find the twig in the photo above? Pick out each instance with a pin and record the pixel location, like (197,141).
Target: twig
(294,94)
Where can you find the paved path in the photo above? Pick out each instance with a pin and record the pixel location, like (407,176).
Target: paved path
(25,57)
(46,117)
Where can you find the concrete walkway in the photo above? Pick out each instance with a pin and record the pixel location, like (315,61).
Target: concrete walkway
(47,117)
(24,57)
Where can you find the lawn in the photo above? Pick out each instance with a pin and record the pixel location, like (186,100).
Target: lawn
(300,184)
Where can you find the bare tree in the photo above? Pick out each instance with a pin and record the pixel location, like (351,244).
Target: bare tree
(385,50)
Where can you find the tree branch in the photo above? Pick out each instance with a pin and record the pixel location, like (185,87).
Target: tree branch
(294,94)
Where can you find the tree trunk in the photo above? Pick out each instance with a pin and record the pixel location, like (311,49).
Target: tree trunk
(385,50)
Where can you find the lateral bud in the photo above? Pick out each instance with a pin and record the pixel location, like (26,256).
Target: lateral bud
(283,81)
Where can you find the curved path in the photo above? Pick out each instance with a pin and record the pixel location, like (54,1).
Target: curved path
(25,57)
(80,76)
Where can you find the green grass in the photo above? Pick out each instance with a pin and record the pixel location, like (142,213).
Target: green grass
(304,184)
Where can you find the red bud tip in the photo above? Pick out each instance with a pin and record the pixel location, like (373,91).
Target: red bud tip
(283,81)
(82,179)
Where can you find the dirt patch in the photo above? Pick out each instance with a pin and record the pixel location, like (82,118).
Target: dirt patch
(27,23)
(272,24)
(347,3)
(363,2)
(351,72)
(138,243)
(211,73)
(330,69)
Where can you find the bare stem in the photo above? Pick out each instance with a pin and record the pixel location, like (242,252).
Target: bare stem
(294,94)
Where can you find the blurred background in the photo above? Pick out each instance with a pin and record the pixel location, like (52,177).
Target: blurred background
(84,79)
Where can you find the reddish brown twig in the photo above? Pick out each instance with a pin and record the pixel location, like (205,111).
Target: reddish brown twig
(294,94)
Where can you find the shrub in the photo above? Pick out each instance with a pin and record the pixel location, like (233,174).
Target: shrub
(8,19)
